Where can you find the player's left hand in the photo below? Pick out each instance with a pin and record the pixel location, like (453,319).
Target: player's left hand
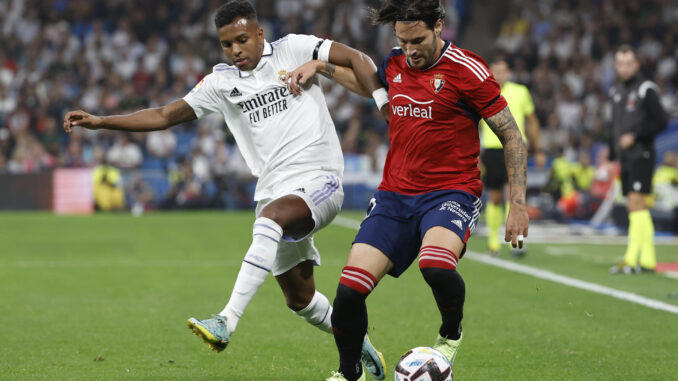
(298,78)
(626,140)
(516,225)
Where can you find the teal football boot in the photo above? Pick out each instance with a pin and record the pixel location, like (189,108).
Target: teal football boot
(373,360)
(211,331)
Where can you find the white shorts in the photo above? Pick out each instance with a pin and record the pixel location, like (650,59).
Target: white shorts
(324,196)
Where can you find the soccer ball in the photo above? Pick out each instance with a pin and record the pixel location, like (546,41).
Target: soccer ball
(423,364)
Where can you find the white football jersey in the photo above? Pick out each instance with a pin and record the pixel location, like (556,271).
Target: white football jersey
(284,138)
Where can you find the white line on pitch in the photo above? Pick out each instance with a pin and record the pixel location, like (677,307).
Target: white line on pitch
(572,282)
(547,275)
(344,222)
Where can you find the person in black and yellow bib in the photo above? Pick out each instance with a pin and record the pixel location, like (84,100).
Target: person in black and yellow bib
(637,118)
(492,157)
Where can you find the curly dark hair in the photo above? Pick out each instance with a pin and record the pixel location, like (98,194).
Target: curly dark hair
(232,10)
(428,11)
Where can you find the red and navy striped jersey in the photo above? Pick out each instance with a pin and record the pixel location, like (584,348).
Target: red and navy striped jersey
(433,129)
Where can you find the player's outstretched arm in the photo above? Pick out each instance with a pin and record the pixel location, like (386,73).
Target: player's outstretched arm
(362,65)
(150,119)
(515,154)
(339,74)
(365,72)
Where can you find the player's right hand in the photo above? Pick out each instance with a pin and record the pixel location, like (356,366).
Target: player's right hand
(517,225)
(82,119)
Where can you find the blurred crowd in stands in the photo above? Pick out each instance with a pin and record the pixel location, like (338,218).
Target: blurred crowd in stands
(564,52)
(117,56)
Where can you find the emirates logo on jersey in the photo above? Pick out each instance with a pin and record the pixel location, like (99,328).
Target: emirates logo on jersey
(263,106)
(437,82)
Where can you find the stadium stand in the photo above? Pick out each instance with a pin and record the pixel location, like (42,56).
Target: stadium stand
(116,56)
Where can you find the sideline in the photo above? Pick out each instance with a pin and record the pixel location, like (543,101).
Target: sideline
(547,275)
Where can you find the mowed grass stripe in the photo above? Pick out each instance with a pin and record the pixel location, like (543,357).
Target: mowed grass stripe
(128,322)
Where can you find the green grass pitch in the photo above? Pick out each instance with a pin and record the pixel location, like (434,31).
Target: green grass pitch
(107,298)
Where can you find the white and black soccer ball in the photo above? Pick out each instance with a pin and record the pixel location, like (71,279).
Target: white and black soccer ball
(423,364)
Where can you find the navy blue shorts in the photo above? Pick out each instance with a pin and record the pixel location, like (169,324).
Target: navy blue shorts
(396,223)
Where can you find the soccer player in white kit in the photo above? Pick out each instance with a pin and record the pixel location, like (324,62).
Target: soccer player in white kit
(288,141)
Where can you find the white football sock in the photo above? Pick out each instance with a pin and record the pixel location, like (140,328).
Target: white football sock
(318,313)
(255,267)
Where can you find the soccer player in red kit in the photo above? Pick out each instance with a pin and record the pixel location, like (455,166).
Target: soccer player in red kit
(428,202)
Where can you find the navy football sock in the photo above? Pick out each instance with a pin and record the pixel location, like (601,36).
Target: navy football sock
(449,291)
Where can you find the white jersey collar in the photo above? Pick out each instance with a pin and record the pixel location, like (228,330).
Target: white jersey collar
(268,52)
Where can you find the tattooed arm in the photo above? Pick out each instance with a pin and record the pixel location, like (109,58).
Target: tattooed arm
(515,154)
(342,75)
(145,120)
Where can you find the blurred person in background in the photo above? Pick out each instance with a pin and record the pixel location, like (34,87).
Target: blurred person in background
(8,102)
(49,136)
(6,143)
(583,175)
(3,163)
(161,144)
(495,178)
(73,156)
(287,138)
(187,191)
(124,153)
(665,182)
(605,175)
(583,172)
(29,156)
(108,190)
(561,185)
(637,118)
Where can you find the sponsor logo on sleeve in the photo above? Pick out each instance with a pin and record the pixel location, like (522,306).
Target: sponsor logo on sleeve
(199,85)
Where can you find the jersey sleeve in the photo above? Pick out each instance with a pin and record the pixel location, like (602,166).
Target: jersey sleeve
(480,89)
(204,99)
(485,97)
(381,72)
(305,48)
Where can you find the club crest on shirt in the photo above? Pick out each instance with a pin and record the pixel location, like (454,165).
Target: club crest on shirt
(438,82)
(281,76)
